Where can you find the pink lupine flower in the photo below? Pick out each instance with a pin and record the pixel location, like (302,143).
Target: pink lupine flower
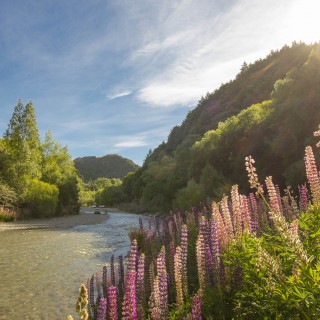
(178,274)
(312,174)
(132,259)
(155,309)
(220,225)
(304,200)
(254,211)
(236,211)
(102,309)
(113,303)
(129,306)
(215,245)
(196,307)
(227,218)
(317,134)
(273,196)
(140,291)
(252,174)
(246,216)
(163,283)
(184,257)
(201,260)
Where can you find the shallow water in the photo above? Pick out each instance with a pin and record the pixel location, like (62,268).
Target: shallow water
(41,270)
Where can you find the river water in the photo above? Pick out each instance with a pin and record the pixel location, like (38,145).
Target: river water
(41,270)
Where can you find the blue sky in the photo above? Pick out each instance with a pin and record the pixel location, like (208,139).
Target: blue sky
(116,76)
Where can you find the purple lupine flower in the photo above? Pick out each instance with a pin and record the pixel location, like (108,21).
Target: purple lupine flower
(304,200)
(140,287)
(236,210)
(113,278)
(121,276)
(163,283)
(184,257)
(113,303)
(105,280)
(91,296)
(98,285)
(246,215)
(178,275)
(254,212)
(204,231)
(140,224)
(196,307)
(102,309)
(129,306)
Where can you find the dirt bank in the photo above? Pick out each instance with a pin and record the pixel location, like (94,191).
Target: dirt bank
(85,217)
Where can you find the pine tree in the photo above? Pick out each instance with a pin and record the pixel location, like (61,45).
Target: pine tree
(22,147)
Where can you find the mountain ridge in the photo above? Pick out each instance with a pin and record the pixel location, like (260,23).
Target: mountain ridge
(108,166)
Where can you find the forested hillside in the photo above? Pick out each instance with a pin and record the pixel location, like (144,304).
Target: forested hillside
(37,178)
(269,111)
(109,166)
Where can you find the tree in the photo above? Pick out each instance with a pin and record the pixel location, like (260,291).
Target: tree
(58,169)
(22,147)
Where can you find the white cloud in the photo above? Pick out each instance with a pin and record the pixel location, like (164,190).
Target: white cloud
(119,94)
(131,142)
(188,59)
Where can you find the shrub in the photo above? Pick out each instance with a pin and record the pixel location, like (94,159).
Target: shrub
(40,198)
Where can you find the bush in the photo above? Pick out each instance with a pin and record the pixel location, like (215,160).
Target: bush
(40,198)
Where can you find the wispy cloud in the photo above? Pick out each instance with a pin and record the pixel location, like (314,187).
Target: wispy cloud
(119,94)
(77,59)
(131,142)
(188,59)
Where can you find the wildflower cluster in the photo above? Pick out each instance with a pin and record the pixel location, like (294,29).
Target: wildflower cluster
(246,257)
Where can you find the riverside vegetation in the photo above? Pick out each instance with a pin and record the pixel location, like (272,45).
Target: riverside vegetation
(37,179)
(252,256)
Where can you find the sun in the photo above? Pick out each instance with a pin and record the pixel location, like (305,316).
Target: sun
(301,21)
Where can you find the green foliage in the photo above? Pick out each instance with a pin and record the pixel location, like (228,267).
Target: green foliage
(310,230)
(58,169)
(275,283)
(8,197)
(190,196)
(41,174)
(41,198)
(22,158)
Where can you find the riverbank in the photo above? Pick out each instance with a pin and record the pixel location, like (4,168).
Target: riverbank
(85,217)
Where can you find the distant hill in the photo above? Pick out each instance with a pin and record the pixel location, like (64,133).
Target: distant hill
(109,166)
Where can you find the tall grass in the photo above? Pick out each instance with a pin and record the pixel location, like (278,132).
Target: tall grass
(252,256)
(7,215)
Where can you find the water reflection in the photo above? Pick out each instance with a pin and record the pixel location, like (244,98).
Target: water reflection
(41,270)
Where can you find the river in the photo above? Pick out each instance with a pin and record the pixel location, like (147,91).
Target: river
(41,269)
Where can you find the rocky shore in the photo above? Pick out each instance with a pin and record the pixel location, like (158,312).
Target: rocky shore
(85,217)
